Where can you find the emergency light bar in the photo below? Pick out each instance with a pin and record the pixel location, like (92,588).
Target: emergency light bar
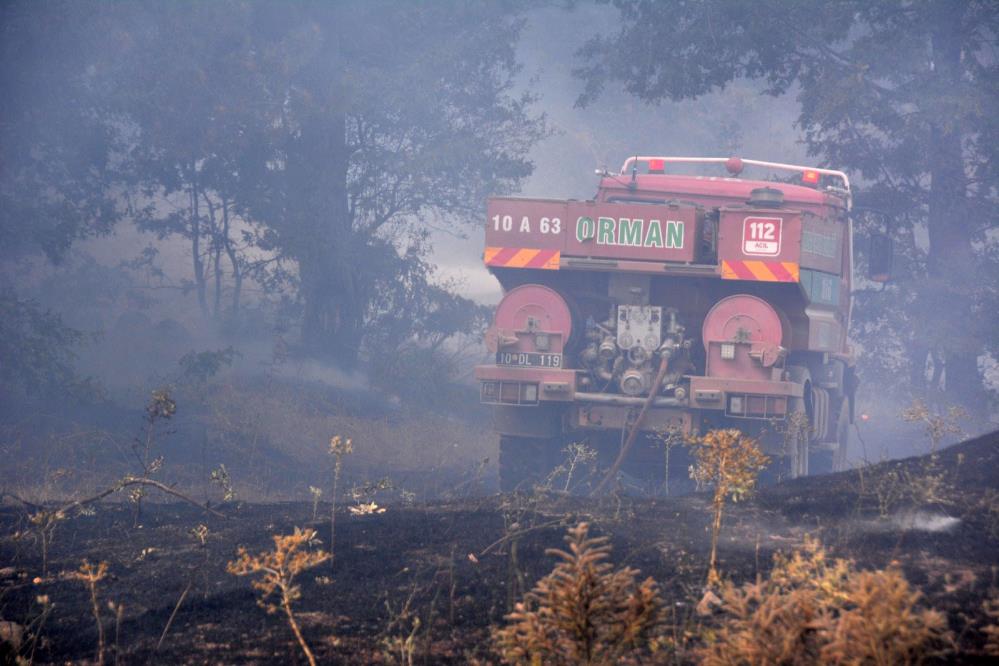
(809,175)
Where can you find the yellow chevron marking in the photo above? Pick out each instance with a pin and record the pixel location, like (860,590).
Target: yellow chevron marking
(793,269)
(727,272)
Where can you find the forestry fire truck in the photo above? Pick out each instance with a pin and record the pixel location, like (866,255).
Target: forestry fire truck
(673,302)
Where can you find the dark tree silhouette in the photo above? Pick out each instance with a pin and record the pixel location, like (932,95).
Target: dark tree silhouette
(905,96)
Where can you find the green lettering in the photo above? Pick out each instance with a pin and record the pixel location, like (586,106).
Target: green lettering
(674,234)
(584,229)
(605,231)
(654,234)
(629,232)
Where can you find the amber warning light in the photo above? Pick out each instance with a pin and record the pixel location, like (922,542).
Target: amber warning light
(810,177)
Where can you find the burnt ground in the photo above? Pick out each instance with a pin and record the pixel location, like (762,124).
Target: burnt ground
(936,517)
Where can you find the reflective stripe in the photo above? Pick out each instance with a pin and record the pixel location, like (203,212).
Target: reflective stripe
(760,271)
(519,257)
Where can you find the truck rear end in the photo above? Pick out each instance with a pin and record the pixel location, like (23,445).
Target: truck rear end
(694,301)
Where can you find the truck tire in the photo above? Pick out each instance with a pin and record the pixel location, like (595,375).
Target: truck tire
(798,433)
(796,454)
(525,461)
(842,438)
(832,457)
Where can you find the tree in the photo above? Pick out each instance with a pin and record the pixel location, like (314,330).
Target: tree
(383,118)
(335,133)
(902,94)
(56,157)
(185,82)
(56,153)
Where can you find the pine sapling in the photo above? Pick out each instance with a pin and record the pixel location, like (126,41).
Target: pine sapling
(583,612)
(991,630)
(815,609)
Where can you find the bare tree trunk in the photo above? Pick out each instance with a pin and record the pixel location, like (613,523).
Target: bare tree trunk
(230,250)
(330,265)
(951,256)
(215,249)
(199,268)
(328,252)
(217,264)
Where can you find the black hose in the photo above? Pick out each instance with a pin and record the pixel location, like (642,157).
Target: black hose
(656,385)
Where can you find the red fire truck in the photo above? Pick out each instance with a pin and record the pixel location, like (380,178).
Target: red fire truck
(675,300)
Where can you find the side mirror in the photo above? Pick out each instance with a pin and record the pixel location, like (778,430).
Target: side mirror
(879,258)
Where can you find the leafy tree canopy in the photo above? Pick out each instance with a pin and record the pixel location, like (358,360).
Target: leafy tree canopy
(56,148)
(338,133)
(903,94)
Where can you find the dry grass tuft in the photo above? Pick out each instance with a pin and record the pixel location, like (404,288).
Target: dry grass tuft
(583,612)
(90,575)
(814,609)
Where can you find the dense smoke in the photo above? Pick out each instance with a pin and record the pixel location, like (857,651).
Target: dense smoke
(276,210)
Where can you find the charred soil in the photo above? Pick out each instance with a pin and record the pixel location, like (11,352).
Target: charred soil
(427,582)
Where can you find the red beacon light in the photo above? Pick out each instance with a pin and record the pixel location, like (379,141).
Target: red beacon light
(657,165)
(810,177)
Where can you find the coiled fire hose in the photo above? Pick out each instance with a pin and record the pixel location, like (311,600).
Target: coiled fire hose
(626,447)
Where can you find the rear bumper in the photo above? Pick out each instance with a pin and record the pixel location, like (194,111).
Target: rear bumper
(743,398)
(503,385)
(739,398)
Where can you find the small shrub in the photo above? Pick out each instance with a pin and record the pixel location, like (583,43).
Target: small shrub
(279,568)
(161,407)
(583,612)
(730,462)
(90,575)
(936,425)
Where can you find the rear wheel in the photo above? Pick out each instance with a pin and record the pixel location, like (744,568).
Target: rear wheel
(831,456)
(798,426)
(842,437)
(796,432)
(525,461)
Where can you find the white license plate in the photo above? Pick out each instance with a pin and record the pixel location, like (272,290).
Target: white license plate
(529,359)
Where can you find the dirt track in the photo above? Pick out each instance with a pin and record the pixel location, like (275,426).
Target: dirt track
(939,519)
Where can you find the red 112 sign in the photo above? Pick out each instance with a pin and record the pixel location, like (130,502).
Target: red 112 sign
(761,236)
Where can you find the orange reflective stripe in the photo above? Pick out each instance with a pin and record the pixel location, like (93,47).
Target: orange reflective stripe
(553,262)
(516,257)
(760,271)
(522,258)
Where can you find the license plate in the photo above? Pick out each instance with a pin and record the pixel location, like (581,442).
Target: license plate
(529,359)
